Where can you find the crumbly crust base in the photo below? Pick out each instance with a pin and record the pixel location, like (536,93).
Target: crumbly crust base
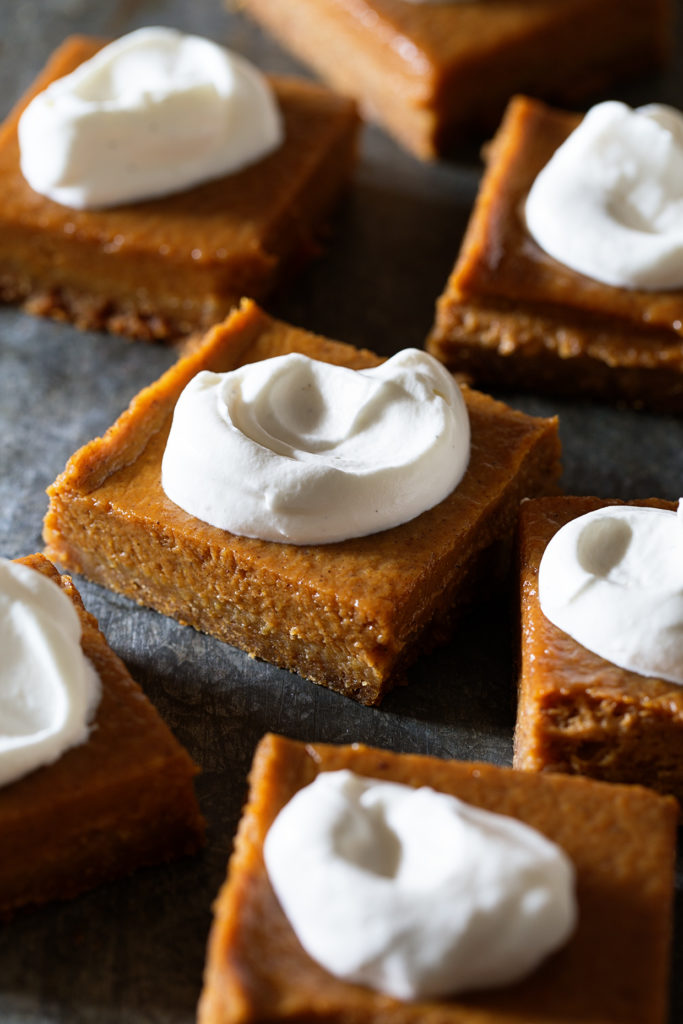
(508,347)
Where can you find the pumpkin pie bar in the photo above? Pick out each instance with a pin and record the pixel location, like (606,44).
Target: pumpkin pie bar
(514,318)
(123,799)
(172,265)
(350,615)
(431,73)
(577,712)
(613,969)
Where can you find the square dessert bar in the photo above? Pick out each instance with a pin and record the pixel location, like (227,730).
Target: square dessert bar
(171,265)
(513,317)
(613,970)
(350,615)
(433,72)
(577,712)
(123,799)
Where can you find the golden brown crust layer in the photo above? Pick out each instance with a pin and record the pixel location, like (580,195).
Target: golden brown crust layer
(513,316)
(621,840)
(165,267)
(424,71)
(348,615)
(123,799)
(577,712)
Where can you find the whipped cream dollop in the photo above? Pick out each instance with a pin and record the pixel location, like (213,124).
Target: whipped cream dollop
(413,892)
(293,449)
(613,580)
(49,691)
(155,112)
(609,203)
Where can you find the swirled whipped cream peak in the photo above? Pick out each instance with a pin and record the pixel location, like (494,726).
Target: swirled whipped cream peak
(296,450)
(613,580)
(155,112)
(49,691)
(413,892)
(609,203)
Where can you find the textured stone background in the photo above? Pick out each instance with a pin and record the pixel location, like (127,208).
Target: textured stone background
(133,951)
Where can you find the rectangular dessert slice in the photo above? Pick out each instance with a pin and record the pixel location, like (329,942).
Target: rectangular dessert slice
(577,712)
(350,615)
(613,969)
(123,799)
(168,266)
(433,72)
(513,317)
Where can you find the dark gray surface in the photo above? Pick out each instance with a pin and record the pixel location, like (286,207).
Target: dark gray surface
(134,950)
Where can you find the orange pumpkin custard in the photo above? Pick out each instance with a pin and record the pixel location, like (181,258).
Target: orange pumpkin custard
(122,799)
(613,969)
(350,615)
(433,72)
(168,266)
(513,317)
(578,712)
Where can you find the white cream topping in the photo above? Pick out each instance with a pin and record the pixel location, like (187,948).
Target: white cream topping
(155,112)
(49,691)
(609,203)
(413,892)
(613,580)
(293,449)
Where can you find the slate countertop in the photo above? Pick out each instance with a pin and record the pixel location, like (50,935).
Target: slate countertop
(134,950)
